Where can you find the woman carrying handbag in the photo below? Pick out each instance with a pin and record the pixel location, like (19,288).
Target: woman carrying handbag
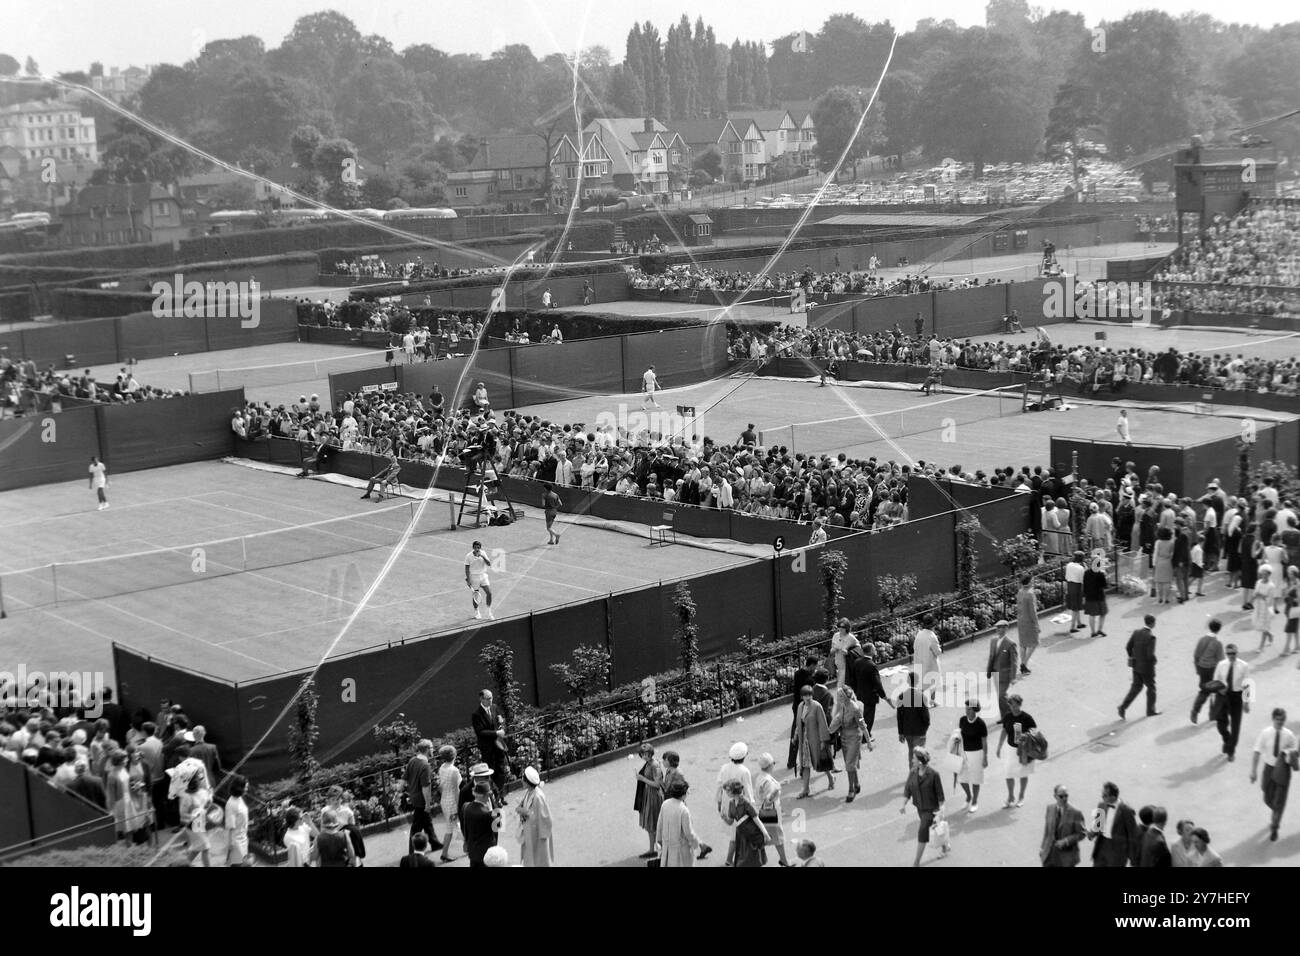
(751,836)
(812,740)
(848,721)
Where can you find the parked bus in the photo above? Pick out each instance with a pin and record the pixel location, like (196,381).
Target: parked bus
(431,213)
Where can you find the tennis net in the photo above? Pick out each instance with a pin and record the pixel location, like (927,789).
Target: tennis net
(284,373)
(837,434)
(99,578)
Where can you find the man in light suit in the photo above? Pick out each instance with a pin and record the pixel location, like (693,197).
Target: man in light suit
(1114,827)
(1141,649)
(1004,660)
(1062,832)
(1155,850)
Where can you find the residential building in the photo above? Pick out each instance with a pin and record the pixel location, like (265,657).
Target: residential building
(780,137)
(806,141)
(645,156)
(520,166)
(468,189)
(48,129)
(753,150)
(586,171)
(700,135)
(124,213)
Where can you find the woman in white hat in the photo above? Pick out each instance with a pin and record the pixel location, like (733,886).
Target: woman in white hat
(189,786)
(535,846)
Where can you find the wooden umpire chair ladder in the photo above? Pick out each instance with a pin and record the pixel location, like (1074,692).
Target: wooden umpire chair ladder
(480,489)
(660,533)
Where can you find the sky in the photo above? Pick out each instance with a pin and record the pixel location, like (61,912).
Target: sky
(68,34)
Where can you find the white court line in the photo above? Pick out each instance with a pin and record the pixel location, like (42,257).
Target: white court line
(117,508)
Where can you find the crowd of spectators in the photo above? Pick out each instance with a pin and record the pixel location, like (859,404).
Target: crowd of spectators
(1253,258)
(376,267)
(691,277)
(1090,368)
(26,390)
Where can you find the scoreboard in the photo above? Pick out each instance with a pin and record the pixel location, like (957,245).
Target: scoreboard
(1221,179)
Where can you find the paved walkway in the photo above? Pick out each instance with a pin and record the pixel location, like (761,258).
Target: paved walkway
(1073,692)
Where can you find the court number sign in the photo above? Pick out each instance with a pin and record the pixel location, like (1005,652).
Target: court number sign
(778,544)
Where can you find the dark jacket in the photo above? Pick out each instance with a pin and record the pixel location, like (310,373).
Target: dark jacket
(803,677)
(1123,846)
(90,787)
(415,861)
(913,713)
(480,834)
(864,678)
(822,694)
(485,725)
(1141,650)
(925,788)
(1067,825)
(1155,851)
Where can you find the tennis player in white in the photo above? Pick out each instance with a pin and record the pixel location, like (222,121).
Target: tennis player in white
(1122,429)
(649,385)
(476,578)
(99,481)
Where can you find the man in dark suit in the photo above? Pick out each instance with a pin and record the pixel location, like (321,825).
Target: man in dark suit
(864,677)
(418,857)
(489,728)
(479,821)
(821,693)
(1155,851)
(1141,649)
(1004,660)
(1115,830)
(1062,832)
(87,785)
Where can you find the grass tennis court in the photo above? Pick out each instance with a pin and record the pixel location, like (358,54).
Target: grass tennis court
(985,432)
(284,616)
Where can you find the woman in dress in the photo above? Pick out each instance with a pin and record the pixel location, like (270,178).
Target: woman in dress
(140,819)
(535,844)
(767,790)
(1275,556)
(1262,598)
(334,800)
(1162,562)
(848,721)
(1015,723)
(1026,621)
(676,836)
(649,796)
(1248,573)
(298,837)
(811,741)
(236,824)
(189,785)
(751,836)
(1094,596)
(974,753)
(842,641)
(117,791)
(449,783)
(1291,608)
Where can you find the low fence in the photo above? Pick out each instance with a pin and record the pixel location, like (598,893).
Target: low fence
(40,816)
(143,335)
(765,599)
(524,375)
(36,449)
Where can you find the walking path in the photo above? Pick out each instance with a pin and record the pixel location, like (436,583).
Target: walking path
(1074,689)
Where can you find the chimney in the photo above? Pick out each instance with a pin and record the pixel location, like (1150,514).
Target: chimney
(485,147)
(649,125)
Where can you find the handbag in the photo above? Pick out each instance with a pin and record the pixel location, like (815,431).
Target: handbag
(939,832)
(825,758)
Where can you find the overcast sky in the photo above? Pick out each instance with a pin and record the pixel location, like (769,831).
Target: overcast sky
(68,34)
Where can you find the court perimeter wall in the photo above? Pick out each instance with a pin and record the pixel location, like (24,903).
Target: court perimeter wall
(766,598)
(38,449)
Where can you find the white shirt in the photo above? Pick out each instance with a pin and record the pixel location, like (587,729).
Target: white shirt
(648,380)
(1266,739)
(734,771)
(478,564)
(1074,573)
(1121,426)
(100,474)
(1240,673)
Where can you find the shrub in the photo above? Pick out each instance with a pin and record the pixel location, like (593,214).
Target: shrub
(955,628)
(589,671)
(895,590)
(303,732)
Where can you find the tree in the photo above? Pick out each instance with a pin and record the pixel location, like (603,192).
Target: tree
(302,143)
(399,735)
(895,590)
(381,187)
(833,566)
(170,98)
(258,160)
(335,162)
(683,72)
(1263,78)
(235,195)
(836,114)
(967,555)
(303,733)
(1072,124)
(498,659)
(8,65)
(589,671)
(626,94)
(708,160)
(687,633)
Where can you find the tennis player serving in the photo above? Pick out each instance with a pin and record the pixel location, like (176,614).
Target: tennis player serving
(476,578)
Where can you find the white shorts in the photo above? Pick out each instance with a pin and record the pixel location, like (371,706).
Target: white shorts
(477,581)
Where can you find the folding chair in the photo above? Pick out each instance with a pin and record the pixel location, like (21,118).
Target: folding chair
(659,533)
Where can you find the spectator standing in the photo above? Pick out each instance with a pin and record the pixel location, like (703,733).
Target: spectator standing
(925,656)
(236,824)
(913,710)
(449,784)
(1234,675)
(1004,657)
(1026,621)
(1115,830)
(1063,832)
(812,742)
(1074,572)
(489,729)
(676,837)
(536,844)
(1014,724)
(1094,596)
(1155,849)
(1204,855)
(1205,658)
(479,820)
(733,770)
(419,792)
(649,796)
(767,794)
(418,857)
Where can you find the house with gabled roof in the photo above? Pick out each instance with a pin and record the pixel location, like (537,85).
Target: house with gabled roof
(806,140)
(721,134)
(582,169)
(122,213)
(519,165)
(646,157)
(780,136)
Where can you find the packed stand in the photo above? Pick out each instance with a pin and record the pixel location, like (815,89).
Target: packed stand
(865,282)
(27,390)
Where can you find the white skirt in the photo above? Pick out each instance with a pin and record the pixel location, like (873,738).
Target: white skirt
(1012,767)
(972,768)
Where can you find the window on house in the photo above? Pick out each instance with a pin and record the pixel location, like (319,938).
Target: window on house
(571,172)
(657,158)
(462,192)
(591,170)
(677,157)
(519,181)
